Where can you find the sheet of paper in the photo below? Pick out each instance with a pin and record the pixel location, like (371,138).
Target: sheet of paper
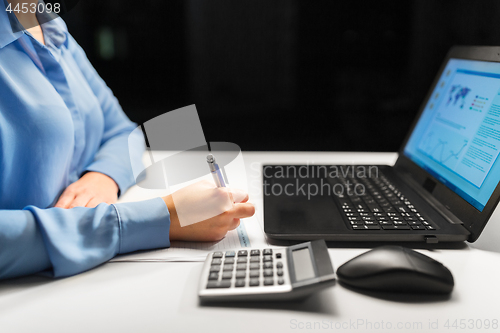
(248,234)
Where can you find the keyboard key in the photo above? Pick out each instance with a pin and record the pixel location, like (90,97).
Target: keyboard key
(242,260)
(268,281)
(239,283)
(268,264)
(365,227)
(217,255)
(279,265)
(267,252)
(268,258)
(386,223)
(214,268)
(357,222)
(254,274)
(281,281)
(241,267)
(241,274)
(216,261)
(430,227)
(227,261)
(278,255)
(227,275)
(254,266)
(418,227)
(254,259)
(268,272)
(396,227)
(255,253)
(227,267)
(219,284)
(230,254)
(254,282)
(280,272)
(213,276)
(242,253)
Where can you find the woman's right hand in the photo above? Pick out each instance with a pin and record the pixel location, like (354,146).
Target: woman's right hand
(203,212)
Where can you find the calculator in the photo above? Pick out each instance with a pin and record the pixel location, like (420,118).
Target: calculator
(266,274)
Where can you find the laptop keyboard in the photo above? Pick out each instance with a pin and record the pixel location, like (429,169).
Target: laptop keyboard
(381,207)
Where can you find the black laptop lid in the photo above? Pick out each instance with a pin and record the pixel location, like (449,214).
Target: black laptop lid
(453,149)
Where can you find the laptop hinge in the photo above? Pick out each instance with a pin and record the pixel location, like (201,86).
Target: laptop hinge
(439,207)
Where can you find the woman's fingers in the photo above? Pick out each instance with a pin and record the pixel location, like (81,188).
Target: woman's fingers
(81,200)
(242,210)
(65,199)
(239,196)
(94,202)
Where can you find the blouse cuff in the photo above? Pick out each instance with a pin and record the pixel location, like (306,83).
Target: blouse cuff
(143,225)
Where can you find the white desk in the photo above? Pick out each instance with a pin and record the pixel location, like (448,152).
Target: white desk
(162,297)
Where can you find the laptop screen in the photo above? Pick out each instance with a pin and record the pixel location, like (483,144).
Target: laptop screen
(457,138)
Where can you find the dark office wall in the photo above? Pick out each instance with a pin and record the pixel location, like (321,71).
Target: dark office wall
(281,74)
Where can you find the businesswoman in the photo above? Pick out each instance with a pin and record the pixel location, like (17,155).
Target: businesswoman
(64,160)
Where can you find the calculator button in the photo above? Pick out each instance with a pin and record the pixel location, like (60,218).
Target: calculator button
(267,252)
(242,260)
(241,274)
(280,272)
(228,267)
(242,253)
(279,265)
(214,268)
(213,276)
(241,267)
(268,281)
(239,283)
(216,261)
(219,284)
(268,272)
(255,253)
(281,281)
(268,258)
(254,259)
(254,274)
(278,255)
(217,255)
(268,265)
(227,261)
(253,282)
(254,265)
(230,254)
(227,275)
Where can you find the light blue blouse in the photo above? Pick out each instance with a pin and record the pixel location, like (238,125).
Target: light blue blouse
(58,120)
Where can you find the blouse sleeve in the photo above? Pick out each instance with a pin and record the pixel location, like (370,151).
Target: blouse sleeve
(112,158)
(65,242)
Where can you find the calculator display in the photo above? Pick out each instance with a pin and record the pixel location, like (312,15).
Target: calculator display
(303,265)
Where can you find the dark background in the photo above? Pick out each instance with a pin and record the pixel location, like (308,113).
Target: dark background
(281,74)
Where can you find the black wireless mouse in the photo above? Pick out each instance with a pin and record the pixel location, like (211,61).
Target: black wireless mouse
(396,269)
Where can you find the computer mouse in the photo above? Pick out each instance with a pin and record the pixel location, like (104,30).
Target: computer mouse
(396,269)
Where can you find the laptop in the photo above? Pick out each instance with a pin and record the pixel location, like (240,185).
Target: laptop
(442,188)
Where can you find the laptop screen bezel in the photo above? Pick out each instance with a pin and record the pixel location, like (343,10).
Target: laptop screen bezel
(473,219)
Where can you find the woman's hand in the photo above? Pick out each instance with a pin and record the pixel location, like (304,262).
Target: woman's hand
(90,190)
(200,200)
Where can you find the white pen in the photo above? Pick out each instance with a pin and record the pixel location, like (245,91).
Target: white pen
(216,174)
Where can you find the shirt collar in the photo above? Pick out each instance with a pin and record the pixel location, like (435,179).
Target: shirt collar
(54,29)
(7,36)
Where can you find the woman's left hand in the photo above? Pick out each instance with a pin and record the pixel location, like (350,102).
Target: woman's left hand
(90,190)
